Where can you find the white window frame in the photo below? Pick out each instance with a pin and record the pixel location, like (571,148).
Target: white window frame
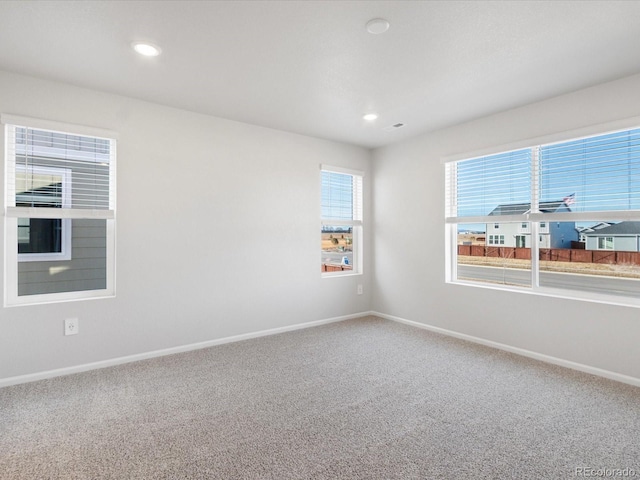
(535,218)
(496,240)
(356,223)
(65,251)
(12,213)
(604,241)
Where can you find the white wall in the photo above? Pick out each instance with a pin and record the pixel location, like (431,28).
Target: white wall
(218,232)
(234,248)
(408,201)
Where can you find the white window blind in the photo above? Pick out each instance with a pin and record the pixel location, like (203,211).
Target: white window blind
(598,174)
(88,159)
(595,174)
(341,198)
(496,184)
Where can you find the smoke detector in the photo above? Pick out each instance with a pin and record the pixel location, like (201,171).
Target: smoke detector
(377,25)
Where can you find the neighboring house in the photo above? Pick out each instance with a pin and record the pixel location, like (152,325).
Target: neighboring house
(518,234)
(583,231)
(621,237)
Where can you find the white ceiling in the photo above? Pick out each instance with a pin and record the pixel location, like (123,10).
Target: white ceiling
(310,66)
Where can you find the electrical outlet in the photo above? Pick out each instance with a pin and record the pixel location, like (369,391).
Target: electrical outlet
(360,289)
(71,326)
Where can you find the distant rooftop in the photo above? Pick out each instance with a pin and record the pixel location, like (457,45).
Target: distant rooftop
(622,228)
(522,208)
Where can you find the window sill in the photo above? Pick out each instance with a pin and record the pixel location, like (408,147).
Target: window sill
(48,298)
(557,293)
(340,274)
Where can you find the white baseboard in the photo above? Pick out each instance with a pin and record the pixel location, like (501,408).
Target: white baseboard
(32,377)
(519,351)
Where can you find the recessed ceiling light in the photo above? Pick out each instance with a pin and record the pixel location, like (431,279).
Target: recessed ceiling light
(370,117)
(146,49)
(377,26)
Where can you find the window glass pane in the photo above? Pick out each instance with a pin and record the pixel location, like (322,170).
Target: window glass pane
(36,188)
(494,185)
(39,235)
(503,258)
(44,143)
(606,259)
(86,270)
(24,232)
(592,174)
(337,249)
(85,161)
(337,196)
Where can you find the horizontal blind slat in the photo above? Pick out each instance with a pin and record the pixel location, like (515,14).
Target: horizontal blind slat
(602,172)
(341,196)
(55,169)
(483,184)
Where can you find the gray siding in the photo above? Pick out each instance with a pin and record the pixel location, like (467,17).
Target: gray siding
(620,243)
(591,243)
(85,271)
(625,244)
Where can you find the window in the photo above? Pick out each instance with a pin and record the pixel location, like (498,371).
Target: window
(605,243)
(587,188)
(42,239)
(496,239)
(341,221)
(60,212)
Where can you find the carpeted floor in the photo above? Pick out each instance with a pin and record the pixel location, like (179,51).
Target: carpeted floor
(361,399)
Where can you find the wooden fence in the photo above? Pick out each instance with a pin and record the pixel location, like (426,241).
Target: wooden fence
(553,254)
(334,267)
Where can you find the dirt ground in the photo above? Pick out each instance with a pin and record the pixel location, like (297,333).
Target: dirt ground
(471,239)
(341,246)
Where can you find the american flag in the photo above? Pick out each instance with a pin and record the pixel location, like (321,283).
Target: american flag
(569,199)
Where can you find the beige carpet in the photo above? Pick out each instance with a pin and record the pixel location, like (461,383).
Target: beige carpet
(361,399)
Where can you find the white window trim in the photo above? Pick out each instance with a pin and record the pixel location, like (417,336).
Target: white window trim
(604,238)
(12,213)
(55,126)
(575,134)
(357,225)
(496,239)
(535,218)
(65,251)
